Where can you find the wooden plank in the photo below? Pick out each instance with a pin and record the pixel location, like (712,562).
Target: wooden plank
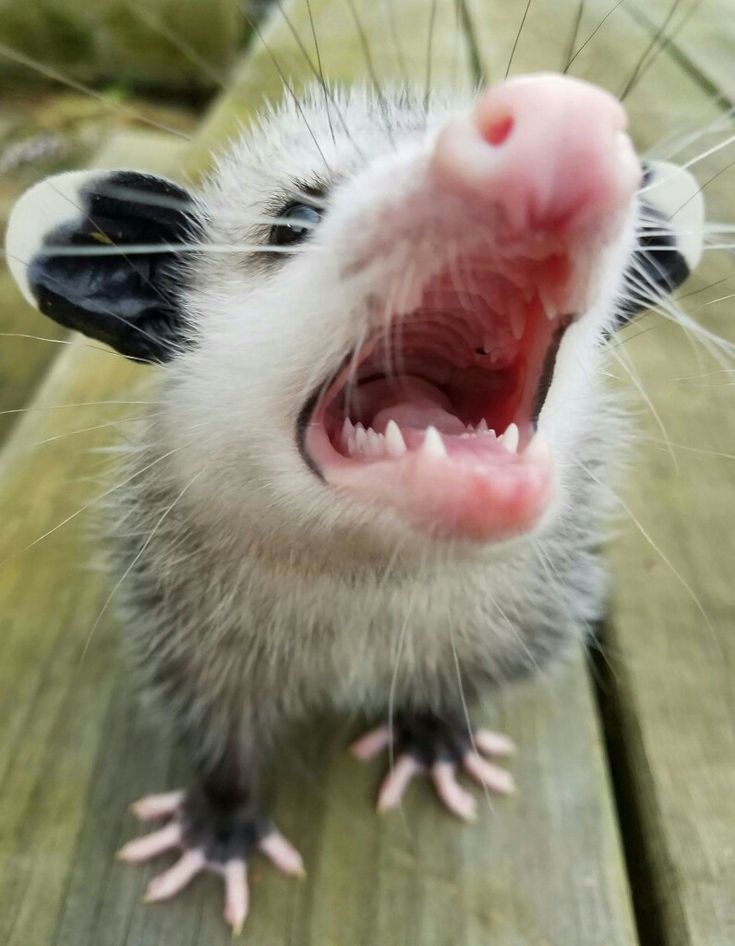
(669,692)
(671,686)
(703,35)
(543,869)
(186,45)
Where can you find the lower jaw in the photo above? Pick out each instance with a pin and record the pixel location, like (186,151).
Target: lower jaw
(464,363)
(443,496)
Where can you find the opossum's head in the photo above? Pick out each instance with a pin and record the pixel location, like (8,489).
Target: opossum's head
(394,317)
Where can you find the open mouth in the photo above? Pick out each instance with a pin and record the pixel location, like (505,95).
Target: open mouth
(434,417)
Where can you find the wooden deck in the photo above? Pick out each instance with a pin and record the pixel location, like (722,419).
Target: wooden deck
(623,831)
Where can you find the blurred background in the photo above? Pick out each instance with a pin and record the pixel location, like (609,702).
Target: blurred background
(624,830)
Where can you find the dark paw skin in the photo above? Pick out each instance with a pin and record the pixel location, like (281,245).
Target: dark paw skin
(440,745)
(429,738)
(209,834)
(223,833)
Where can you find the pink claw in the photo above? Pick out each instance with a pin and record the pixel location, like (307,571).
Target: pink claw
(237,895)
(493,743)
(171,881)
(283,854)
(457,800)
(150,845)
(161,805)
(371,743)
(489,775)
(396,782)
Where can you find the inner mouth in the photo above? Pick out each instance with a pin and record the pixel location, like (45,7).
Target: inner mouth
(435,415)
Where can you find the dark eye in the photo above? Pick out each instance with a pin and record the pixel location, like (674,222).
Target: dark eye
(296,221)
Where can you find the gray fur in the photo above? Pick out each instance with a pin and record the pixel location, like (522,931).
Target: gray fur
(258,596)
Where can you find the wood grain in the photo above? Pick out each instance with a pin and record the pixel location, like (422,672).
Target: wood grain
(543,869)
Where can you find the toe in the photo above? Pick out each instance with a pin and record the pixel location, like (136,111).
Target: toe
(171,881)
(150,845)
(283,854)
(371,743)
(162,805)
(493,743)
(237,897)
(396,782)
(487,774)
(457,800)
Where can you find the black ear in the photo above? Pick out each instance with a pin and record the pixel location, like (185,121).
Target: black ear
(670,237)
(66,242)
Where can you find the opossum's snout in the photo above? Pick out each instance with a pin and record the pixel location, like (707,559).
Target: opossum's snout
(436,416)
(544,151)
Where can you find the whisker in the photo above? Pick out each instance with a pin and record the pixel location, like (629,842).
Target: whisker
(390,7)
(517,38)
(150,249)
(567,60)
(592,35)
(664,558)
(135,561)
(666,41)
(50,73)
(320,69)
(692,161)
(370,66)
(289,88)
(85,430)
(69,341)
(58,407)
(429,53)
(89,505)
(177,41)
(114,315)
(318,72)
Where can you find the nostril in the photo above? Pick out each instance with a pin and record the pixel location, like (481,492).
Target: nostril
(498,129)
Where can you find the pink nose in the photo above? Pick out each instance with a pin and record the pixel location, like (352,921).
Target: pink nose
(549,151)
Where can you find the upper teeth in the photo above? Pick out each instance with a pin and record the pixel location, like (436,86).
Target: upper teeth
(433,445)
(510,438)
(395,445)
(548,305)
(372,445)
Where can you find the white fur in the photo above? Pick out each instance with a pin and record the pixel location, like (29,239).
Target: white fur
(252,589)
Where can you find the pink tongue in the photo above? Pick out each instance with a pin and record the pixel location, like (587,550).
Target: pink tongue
(410,402)
(418,415)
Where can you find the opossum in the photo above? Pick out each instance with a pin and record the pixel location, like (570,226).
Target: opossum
(383,423)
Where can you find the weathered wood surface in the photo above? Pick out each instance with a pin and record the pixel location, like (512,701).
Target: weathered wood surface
(701,34)
(186,45)
(544,868)
(668,692)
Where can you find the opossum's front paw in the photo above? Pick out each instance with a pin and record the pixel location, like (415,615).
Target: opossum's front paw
(424,742)
(210,839)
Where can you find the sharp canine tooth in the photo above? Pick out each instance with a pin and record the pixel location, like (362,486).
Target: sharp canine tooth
(510,438)
(395,445)
(482,427)
(433,444)
(548,306)
(517,322)
(538,448)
